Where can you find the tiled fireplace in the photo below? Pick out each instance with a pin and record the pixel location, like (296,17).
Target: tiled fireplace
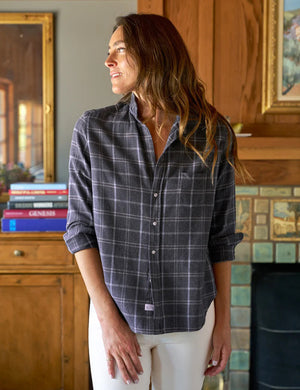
(267,216)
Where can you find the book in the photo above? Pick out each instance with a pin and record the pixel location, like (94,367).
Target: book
(38,186)
(34,225)
(38,192)
(40,198)
(37,205)
(35,213)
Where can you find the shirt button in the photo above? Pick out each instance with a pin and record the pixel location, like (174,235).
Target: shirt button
(153,252)
(154,223)
(155,194)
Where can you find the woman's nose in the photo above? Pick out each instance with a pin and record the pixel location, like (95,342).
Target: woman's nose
(110,61)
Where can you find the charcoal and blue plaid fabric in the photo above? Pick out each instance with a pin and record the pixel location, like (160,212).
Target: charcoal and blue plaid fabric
(158,225)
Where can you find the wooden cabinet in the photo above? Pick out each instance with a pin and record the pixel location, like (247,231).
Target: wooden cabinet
(43,315)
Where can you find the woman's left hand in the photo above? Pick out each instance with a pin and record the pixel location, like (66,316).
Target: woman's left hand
(222,334)
(221,349)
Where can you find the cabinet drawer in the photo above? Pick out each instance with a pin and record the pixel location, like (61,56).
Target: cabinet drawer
(35,253)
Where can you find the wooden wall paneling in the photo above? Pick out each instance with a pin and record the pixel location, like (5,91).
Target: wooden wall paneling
(205,46)
(195,23)
(238,58)
(185,18)
(151,6)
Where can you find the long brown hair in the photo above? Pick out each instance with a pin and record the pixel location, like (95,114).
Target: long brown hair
(168,80)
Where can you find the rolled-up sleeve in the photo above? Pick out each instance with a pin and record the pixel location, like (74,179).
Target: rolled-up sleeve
(80,233)
(223,238)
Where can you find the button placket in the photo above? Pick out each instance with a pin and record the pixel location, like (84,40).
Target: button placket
(154,268)
(154,223)
(153,243)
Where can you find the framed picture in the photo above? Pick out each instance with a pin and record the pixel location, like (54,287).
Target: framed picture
(281,57)
(26,95)
(285,220)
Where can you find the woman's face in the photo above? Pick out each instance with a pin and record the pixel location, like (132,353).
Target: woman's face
(122,66)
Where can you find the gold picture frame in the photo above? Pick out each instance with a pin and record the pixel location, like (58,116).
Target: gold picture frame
(37,30)
(279,95)
(285,219)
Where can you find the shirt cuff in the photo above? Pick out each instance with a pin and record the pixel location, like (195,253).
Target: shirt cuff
(80,241)
(224,248)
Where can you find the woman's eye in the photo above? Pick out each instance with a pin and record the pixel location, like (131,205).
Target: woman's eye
(121,49)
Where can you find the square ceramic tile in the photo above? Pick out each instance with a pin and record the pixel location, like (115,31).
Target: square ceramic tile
(263,252)
(261,206)
(240,360)
(240,339)
(285,253)
(261,232)
(240,296)
(241,274)
(240,317)
(261,219)
(297,191)
(243,252)
(239,381)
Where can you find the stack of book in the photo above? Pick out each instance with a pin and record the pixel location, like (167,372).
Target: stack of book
(36,207)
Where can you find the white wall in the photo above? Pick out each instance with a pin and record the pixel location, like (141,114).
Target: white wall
(82,31)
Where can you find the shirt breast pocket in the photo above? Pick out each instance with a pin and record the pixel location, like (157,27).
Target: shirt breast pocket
(196,189)
(192,181)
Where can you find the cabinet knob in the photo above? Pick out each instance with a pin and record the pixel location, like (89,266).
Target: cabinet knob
(18,253)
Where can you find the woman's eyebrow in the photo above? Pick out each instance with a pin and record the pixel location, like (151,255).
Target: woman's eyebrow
(117,43)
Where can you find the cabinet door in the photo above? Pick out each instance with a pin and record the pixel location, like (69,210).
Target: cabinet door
(37,332)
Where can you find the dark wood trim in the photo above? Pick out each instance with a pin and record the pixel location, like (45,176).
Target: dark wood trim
(269,148)
(273,172)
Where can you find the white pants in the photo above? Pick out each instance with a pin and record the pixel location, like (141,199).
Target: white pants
(172,361)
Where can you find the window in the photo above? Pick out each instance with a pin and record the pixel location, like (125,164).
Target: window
(30,134)
(6,121)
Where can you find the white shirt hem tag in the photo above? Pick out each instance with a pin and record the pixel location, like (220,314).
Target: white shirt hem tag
(149,307)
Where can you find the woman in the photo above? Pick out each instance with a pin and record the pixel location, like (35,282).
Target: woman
(152,216)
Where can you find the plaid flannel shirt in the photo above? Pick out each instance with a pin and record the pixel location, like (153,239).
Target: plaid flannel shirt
(158,225)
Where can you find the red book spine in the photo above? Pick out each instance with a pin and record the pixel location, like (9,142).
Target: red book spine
(38,192)
(35,213)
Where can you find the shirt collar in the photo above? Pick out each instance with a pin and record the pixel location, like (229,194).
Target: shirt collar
(133,108)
